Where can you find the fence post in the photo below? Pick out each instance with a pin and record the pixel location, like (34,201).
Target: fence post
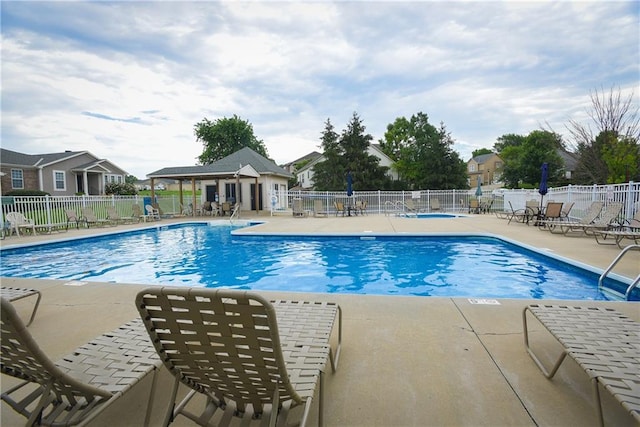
(629,208)
(48,204)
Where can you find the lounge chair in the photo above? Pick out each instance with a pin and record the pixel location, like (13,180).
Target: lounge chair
(14,294)
(410,206)
(485,206)
(319,209)
(251,358)
(629,229)
(152,213)
(298,210)
(551,216)
(90,218)
(114,216)
(602,341)
(81,385)
(226,208)
(607,217)
(18,221)
(435,204)
(474,206)
(72,218)
(522,215)
(361,207)
(137,213)
(339,206)
(590,215)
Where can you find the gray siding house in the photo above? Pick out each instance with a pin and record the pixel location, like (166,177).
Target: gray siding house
(59,174)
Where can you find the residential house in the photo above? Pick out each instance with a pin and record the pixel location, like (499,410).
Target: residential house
(59,174)
(244,176)
(305,175)
(486,168)
(291,166)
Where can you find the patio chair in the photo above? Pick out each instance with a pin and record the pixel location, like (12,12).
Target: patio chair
(339,206)
(628,229)
(551,215)
(14,294)
(251,358)
(72,218)
(207,208)
(81,385)
(18,221)
(137,214)
(590,215)
(298,209)
(319,209)
(474,206)
(607,217)
(152,213)
(90,217)
(410,206)
(435,204)
(361,207)
(226,208)
(114,216)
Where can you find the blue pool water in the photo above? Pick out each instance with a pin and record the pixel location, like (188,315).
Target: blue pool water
(203,255)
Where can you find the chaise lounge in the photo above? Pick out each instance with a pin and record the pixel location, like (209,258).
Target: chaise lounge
(251,358)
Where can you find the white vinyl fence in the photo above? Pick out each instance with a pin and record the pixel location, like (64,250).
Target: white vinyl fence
(49,211)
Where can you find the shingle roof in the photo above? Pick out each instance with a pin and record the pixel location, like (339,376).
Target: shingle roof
(483,158)
(226,165)
(20,159)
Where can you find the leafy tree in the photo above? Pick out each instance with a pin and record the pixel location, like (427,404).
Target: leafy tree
(224,137)
(423,154)
(130,179)
(523,157)
(120,188)
(348,153)
(608,147)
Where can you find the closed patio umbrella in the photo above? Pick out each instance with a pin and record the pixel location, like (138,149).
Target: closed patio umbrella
(479,188)
(349,184)
(543,182)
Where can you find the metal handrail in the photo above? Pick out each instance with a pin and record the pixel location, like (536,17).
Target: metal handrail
(236,210)
(633,284)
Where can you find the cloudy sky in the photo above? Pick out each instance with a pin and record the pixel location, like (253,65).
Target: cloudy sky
(128,81)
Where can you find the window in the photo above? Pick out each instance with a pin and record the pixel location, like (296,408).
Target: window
(17,179)
(109,178)
(59,182)
(472,167)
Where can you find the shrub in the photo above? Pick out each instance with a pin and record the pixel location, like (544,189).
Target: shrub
(120,189)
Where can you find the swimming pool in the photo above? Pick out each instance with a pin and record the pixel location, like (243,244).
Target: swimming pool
(431,215)
(198,254)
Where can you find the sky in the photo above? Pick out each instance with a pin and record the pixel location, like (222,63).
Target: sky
(128,81)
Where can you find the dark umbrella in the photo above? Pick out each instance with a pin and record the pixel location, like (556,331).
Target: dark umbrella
(349,184)
(479,189)
(543,183)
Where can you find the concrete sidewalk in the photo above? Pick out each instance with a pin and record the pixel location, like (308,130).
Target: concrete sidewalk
(406,361)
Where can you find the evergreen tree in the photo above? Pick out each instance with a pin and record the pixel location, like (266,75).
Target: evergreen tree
(349,153)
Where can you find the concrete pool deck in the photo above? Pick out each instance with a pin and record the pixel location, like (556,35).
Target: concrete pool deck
(406,361)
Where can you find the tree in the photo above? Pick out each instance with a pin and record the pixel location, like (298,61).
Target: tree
(523,157)
(423,154)
(348,153)
(610,151)
(224,137)
(130,179)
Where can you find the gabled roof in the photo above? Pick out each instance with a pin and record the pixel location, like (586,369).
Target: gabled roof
(311,156)
(91,165)
(226,166)
(9,157)
(482,158)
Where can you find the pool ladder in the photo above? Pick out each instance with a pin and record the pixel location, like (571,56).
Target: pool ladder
(633,284)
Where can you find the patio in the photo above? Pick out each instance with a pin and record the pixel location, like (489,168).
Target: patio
(406,361)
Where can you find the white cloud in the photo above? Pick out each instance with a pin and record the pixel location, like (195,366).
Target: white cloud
(129,80)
